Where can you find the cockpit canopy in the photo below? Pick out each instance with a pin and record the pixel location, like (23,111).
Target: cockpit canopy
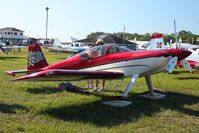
(101,51)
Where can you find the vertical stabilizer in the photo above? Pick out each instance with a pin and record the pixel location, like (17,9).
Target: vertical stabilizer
(36,59)
(156,42)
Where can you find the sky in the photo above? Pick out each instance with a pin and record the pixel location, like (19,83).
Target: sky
(78,18)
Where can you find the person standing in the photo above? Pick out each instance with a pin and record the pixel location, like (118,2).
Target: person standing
(95,89)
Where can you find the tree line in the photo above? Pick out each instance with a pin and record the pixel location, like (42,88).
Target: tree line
(186,36)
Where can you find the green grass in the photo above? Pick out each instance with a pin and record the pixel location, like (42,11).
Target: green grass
(40,107)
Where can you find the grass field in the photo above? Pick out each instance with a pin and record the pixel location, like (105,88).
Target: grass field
(40,107)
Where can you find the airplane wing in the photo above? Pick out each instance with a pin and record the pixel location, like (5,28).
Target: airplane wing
(7,49)
(69,75)
(63,50)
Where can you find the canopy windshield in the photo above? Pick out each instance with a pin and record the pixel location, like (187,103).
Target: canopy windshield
(101,51)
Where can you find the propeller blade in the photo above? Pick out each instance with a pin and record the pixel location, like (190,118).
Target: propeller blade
(186,65)
(171,65)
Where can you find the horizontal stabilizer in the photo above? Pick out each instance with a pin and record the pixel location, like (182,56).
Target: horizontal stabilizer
(13,73)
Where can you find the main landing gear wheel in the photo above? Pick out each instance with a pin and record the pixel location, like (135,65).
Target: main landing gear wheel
(117,101)
(156,95)
(122,101)
(151,94)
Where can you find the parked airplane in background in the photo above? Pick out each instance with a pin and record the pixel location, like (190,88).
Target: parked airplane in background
(103,62)
(7,48)
(4,49)
(186,46)
(191,61)
(73,47)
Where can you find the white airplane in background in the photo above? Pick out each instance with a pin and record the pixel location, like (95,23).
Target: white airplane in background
(186,46)
(73,47)
(192,61)
(6,49)
(3,48)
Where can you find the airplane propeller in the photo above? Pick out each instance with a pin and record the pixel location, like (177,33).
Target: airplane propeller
(171,65)
(184,62)
(186,65)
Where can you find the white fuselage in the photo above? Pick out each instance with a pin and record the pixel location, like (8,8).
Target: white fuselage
(143,66)
(73,47)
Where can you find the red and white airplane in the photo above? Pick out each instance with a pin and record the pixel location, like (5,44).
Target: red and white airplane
(103,62)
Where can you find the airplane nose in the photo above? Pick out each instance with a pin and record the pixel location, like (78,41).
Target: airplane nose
(181,54)
(184,54)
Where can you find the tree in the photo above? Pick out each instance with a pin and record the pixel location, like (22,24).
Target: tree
(94,34)
(186,36)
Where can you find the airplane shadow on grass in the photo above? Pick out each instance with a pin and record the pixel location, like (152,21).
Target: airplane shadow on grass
(47,90)
(103,115)
(11,109)
(179,72)
(187,78)
(63,58)
(11,58)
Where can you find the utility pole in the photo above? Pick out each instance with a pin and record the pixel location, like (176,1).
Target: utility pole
(124,34)
(47,22)
(176,34)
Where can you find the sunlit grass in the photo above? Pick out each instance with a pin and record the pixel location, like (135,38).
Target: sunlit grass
(40,107)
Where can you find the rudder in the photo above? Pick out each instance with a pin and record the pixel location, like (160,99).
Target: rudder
(36,59)
(156,41)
